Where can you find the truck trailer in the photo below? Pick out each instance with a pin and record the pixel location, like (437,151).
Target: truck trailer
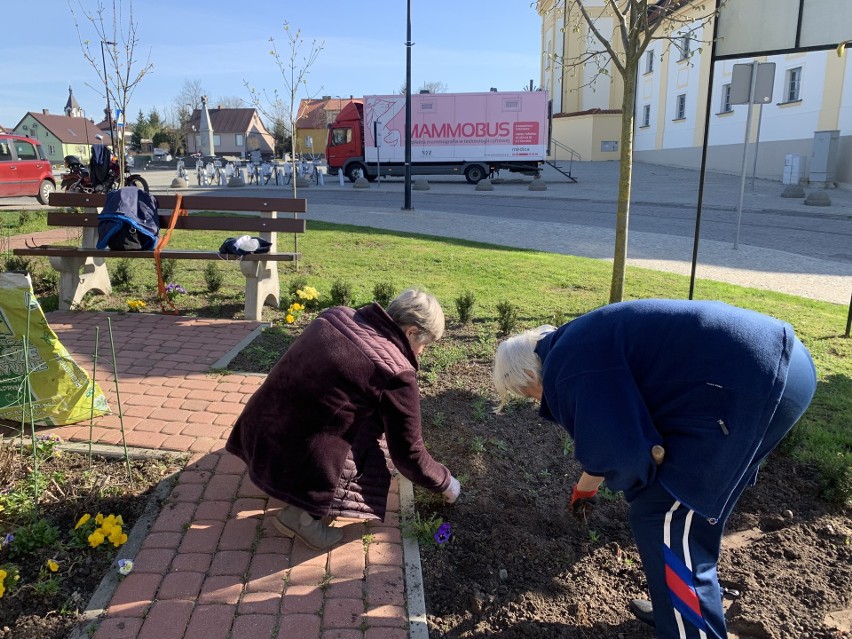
(470,134)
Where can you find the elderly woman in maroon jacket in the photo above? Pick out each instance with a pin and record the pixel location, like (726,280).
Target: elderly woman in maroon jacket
(314,434)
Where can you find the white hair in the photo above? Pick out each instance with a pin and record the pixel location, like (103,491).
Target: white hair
(516,364)
(415,307)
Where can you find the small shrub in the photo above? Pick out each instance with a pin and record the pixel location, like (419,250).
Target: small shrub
(383,293)
(169,268)
(46,282)
(341,293)
(122,275)
(24,218)
(464,306)
(300,281)
(507,317)
(17,263)
(33,537)
(213,277)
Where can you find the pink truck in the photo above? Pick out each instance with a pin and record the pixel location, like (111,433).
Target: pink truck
(470,134)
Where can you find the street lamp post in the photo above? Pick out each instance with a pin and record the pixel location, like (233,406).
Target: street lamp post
(106,90)
(408,45)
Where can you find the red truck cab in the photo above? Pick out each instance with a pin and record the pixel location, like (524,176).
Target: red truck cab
(346,140)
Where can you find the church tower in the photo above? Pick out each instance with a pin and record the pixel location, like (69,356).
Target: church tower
(72,109)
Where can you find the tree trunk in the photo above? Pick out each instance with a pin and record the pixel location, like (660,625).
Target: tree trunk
(625,175)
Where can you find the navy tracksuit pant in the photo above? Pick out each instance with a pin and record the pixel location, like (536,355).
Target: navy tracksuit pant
(680,549)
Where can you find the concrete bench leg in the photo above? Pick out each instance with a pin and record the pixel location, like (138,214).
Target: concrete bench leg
(78,276)
(261,285)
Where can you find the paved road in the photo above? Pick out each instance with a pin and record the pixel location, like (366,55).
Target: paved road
(784,245)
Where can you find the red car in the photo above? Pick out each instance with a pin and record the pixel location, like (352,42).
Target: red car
(24,168)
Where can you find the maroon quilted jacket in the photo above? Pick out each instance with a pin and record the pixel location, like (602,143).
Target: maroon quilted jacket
(312,434)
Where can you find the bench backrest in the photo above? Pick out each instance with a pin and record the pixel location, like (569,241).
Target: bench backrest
(166,202)
(196,222)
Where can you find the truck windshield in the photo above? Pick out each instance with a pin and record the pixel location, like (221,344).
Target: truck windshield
(341,136)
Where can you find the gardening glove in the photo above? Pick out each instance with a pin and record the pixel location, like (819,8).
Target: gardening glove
(452,492)
(583,502)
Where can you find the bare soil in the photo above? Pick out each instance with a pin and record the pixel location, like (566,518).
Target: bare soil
(34,609)
(519,566)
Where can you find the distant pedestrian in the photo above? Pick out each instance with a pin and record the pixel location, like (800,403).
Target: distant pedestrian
(342,404)
(676,403)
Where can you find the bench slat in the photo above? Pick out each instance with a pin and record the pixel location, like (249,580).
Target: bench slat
(68,251)
(166,202)
(196,222)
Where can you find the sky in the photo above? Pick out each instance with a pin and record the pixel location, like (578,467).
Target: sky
(224,44)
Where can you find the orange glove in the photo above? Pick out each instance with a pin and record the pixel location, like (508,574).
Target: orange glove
(583,502)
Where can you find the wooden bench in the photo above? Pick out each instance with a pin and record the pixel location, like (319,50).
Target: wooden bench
(83,269)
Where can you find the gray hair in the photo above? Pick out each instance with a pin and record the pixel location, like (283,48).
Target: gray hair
(415,307)
(516,363)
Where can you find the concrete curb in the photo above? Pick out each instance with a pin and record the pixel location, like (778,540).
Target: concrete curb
(223,361)
(415,595)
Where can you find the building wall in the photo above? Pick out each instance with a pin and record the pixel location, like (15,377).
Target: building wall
(784,127)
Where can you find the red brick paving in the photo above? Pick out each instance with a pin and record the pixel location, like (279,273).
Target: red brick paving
(212,565)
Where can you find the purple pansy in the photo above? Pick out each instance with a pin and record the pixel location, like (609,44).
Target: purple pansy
(442,535)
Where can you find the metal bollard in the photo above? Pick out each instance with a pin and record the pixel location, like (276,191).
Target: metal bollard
(320,179)
(340,176)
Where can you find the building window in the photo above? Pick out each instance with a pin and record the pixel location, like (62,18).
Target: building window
(793,85)
(680,107)
(646,115)
(685,46)
(649,62)
(241,140)
(217,141)
(725,107)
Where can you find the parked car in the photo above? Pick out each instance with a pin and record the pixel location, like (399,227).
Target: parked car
(24,168)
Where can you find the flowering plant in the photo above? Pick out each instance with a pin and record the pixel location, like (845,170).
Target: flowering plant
(443,534)
(125,566)
(9,576)
(174,290)
(136,306)
(99,529)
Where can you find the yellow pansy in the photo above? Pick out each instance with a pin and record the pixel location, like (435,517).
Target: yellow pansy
(99,519)
(52,565)
(290,319)
(118,539)
(96,539)
(82,520)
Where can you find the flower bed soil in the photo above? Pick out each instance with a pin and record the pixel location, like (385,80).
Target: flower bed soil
(519,566)
(26,612)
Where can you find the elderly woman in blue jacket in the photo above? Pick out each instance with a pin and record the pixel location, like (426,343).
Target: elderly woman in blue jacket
(676,403)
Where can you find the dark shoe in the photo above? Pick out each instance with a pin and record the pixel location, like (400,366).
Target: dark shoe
(292,521)
(643,610)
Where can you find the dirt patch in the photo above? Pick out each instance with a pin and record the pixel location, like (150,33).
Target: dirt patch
(47,604)
(519,566)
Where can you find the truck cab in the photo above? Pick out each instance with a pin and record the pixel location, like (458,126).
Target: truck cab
(345,147)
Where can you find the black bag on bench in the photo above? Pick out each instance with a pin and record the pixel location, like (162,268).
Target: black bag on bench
(129,221)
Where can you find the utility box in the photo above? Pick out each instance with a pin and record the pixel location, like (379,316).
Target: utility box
(794,169)
(824,158)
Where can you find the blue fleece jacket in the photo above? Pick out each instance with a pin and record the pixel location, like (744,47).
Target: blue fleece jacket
(701,378)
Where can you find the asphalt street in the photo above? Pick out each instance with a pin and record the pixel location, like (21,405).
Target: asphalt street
(783,243)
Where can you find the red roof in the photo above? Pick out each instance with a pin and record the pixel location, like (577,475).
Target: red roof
(69,130)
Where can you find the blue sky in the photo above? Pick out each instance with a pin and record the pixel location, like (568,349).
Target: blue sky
(469,46)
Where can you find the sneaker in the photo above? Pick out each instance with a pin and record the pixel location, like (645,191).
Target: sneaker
(643,610)
(292,521)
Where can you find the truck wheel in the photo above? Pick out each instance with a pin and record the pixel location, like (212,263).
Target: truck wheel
(352,171)
(474,173)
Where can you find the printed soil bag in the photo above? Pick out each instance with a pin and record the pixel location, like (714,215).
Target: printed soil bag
(60,392)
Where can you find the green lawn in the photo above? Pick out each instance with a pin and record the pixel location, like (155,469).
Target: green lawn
(545,288)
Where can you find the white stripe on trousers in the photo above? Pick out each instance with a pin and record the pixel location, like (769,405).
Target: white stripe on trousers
(687,558)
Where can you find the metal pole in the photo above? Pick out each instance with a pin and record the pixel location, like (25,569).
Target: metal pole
(849,318)
(756,144)
(106,90)
(703,170)
(751,88)
(408,44)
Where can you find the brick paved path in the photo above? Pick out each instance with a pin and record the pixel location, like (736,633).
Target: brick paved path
(211,566)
